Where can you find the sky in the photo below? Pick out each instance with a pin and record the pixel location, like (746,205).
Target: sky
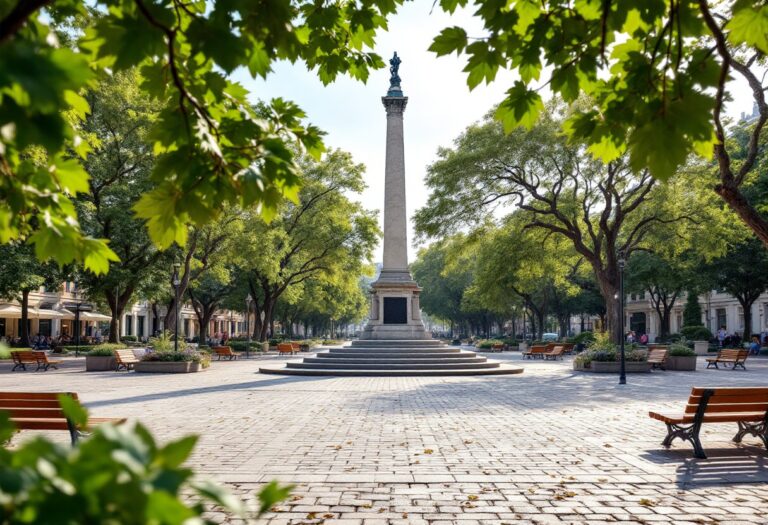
(440,105)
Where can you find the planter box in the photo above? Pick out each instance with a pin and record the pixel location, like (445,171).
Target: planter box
(701,347)
(603,367)
(99,363)
(167,367)
(686,363)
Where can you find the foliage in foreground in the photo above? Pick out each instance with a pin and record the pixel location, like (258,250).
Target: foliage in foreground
(120,474)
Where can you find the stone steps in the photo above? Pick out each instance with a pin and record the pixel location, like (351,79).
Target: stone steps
(394,358)
(388,360)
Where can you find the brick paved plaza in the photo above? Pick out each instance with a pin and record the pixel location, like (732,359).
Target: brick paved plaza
(547,446)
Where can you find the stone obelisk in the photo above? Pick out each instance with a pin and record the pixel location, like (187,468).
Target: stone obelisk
(395,310)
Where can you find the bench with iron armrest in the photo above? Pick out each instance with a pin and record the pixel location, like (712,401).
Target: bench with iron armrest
(657,356)
(22,358)
(746,406)
(125,359)
(224,351)
(286,348)
(535,352)
(733,356)
(555,353)
(42,411)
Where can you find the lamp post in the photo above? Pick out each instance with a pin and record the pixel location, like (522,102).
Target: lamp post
(176,284)
(623,373)
(75,293)
(248,300)
(262,316)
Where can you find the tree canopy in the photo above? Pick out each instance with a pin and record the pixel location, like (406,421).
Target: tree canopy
(212,148)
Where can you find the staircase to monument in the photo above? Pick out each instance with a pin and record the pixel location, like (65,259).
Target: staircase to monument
(394,358)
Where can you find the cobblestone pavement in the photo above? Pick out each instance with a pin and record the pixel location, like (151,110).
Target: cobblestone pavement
(547,446)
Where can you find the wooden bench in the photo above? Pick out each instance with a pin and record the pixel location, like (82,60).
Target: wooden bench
(125,359)
(296,347)
(535,352)
(286,348)
(497,347)
(729,355)
(746,406)
(568,347)
(657,356)
(555,353)
(22,358)
(224,351)
(42,411)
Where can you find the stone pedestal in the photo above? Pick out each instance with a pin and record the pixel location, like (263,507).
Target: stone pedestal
(395,295)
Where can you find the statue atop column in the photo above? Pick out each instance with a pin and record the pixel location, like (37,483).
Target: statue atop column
(394,78)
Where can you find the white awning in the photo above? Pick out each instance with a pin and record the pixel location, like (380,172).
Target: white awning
(10,311)
(42,313)
(85,316)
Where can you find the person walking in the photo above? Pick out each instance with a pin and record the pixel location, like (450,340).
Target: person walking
(754,346)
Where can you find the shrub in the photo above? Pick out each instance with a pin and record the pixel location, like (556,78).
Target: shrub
(602,341)
(764,351)
(671,338)
(487,343)
(106,349)
(636,355)
(171,356)
(331,342)
(678,350)
(5,351)
(165,342)
(608,356)
(696,333)
(129,338)
(119,474)
(585,337)
(456,342)
(240,346)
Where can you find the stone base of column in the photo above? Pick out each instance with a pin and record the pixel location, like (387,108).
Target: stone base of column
(395,312)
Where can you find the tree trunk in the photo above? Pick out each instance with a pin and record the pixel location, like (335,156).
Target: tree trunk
(747,334)
(746,212)
(610,293)
(24,318)
(117,306)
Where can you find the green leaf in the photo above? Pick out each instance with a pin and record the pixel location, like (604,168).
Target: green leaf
(449,40)
(159,208)
(175,453)
(658,146)
(97,255)
(271,494)
(521,108)
(259,63)
(73,410)
(749,25)
(164,508)
(71,176)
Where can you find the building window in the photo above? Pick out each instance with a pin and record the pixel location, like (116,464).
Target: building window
(186,326)
(44,327)
(721,319)
(128,325)
(66,286)
(741,318)
(140,325)
(2,327)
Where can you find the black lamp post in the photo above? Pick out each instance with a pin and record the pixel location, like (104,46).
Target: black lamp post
(75,293)
(176,284)
(623,373)
(248,300)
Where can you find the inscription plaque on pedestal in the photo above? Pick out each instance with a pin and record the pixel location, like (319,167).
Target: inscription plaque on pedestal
(395,310)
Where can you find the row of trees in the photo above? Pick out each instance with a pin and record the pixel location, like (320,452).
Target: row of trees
(303,266)
(546,225)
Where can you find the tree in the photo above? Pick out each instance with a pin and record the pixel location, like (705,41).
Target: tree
(663,280)
(206,295)
(21,273)
(324,234)
(741,273)
(213,151)
(656,72)
(601,209)
(692,310)
(119,166)
(443,283)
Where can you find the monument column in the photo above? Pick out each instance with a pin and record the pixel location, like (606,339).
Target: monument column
(395,216)
(394,312)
